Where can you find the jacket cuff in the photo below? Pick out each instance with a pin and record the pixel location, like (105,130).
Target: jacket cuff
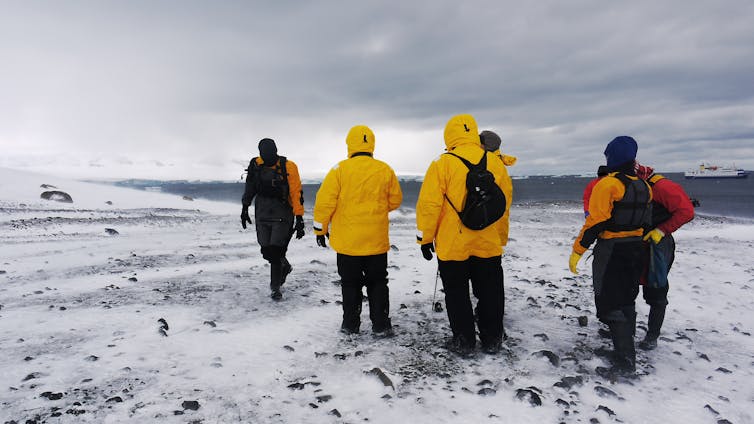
(421,238)
(319,228)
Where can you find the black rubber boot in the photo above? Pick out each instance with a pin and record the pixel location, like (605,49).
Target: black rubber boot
(654,324)
(604,333)
(624,359)
(631,315)
(352,298)
(379,309)
(460,345)
(493,346)
(286,269)
(276,275)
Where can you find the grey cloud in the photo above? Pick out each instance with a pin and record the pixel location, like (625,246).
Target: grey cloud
(557,80)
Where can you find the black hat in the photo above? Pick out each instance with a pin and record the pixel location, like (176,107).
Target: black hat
(602,171)
(268,151)
(489,140)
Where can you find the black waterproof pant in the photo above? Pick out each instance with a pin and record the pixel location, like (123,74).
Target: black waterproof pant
(616,269)
(274,233)
(486,276)
(657,297)
(273,238)
(356,272)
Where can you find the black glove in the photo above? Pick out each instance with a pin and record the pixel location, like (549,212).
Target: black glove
(299,227)
(321,240)
(245,217)
(427,250)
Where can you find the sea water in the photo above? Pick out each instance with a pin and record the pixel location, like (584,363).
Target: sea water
(717,197)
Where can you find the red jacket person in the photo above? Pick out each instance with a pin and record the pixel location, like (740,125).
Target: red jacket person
(671,209)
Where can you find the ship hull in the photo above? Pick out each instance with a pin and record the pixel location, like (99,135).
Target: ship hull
(716,177)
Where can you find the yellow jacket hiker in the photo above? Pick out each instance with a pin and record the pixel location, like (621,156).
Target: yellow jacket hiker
(463,254)
(355,198)
(437,221)
(352,206)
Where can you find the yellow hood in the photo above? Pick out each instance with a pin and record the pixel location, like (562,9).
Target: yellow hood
(360,139)
(461,129)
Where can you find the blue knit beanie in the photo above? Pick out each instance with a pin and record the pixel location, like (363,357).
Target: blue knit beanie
(620,151)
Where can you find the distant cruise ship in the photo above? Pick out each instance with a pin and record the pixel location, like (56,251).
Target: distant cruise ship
(714,171)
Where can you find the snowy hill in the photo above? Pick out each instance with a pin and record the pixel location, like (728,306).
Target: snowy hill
(170,320)
(26,187)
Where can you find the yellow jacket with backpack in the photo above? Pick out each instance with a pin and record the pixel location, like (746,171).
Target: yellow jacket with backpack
(445,183)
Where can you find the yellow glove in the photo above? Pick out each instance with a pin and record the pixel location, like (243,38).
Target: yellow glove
(656,235)
(573,261)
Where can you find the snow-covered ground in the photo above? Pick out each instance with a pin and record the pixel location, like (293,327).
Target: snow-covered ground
(83,341)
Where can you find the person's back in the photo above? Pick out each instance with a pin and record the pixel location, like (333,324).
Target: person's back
(355,199)
(274,203)
(366,185)
(446,179)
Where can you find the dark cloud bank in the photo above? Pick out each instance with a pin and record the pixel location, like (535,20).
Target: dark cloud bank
(203,82)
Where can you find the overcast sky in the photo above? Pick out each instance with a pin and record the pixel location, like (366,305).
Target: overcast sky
(184,89)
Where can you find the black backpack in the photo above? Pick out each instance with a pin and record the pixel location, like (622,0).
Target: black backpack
(634,210)
(271,181)
(485,201)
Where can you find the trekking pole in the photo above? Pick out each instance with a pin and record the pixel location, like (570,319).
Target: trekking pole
(434,295)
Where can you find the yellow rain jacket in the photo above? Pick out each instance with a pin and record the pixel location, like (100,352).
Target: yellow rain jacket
(604,194)
(508,160)
(436,220)
(355,198)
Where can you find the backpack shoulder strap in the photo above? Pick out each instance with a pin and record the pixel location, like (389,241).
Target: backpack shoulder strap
(652,180)
(622,178)
(626,184)
(465,162)
(252,164)
(284,168)
(482,162)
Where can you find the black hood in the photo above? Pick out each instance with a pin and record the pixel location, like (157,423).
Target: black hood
(268,151)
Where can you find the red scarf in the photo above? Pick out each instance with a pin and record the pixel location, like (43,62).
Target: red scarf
(642,171)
